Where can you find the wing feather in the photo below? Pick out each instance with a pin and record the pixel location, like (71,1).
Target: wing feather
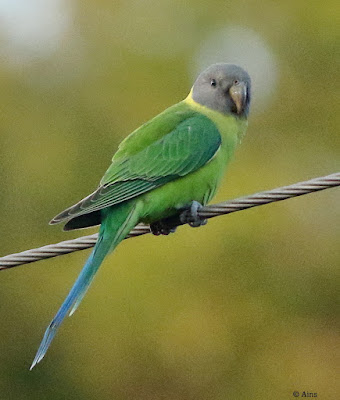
(187,147)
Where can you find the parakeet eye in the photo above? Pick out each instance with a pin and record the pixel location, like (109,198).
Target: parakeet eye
(236,82)
(213,83)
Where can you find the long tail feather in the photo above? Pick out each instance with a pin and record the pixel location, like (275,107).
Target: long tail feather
(116,224)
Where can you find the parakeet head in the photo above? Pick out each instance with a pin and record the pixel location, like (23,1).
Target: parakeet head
(224,88)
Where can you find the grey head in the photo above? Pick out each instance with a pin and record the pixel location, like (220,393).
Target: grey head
(224,88)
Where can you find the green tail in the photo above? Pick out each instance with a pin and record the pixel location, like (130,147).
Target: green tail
(117,222)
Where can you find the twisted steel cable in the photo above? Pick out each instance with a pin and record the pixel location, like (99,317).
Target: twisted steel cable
(227,207)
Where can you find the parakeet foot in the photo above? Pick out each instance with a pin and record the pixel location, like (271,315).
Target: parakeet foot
(190,215)
(161,228)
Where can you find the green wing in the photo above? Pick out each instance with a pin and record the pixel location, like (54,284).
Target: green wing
(188,146)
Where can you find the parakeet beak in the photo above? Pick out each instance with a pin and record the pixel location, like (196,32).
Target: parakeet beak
(238,93)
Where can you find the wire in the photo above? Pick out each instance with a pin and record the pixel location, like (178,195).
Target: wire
(227,207)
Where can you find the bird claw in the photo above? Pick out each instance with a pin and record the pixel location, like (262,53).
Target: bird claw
(190,216)
(161,228)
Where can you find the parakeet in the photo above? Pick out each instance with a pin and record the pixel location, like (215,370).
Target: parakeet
(172,164)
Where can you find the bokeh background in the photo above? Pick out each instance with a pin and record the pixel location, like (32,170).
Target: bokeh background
(243,308)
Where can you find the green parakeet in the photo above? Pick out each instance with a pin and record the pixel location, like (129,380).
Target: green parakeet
(172,163)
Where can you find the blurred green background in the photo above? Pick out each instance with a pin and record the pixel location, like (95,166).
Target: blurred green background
(243,308)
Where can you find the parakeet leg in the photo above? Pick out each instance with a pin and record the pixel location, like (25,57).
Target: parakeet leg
(161,228)
(190,215)
(116,224)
